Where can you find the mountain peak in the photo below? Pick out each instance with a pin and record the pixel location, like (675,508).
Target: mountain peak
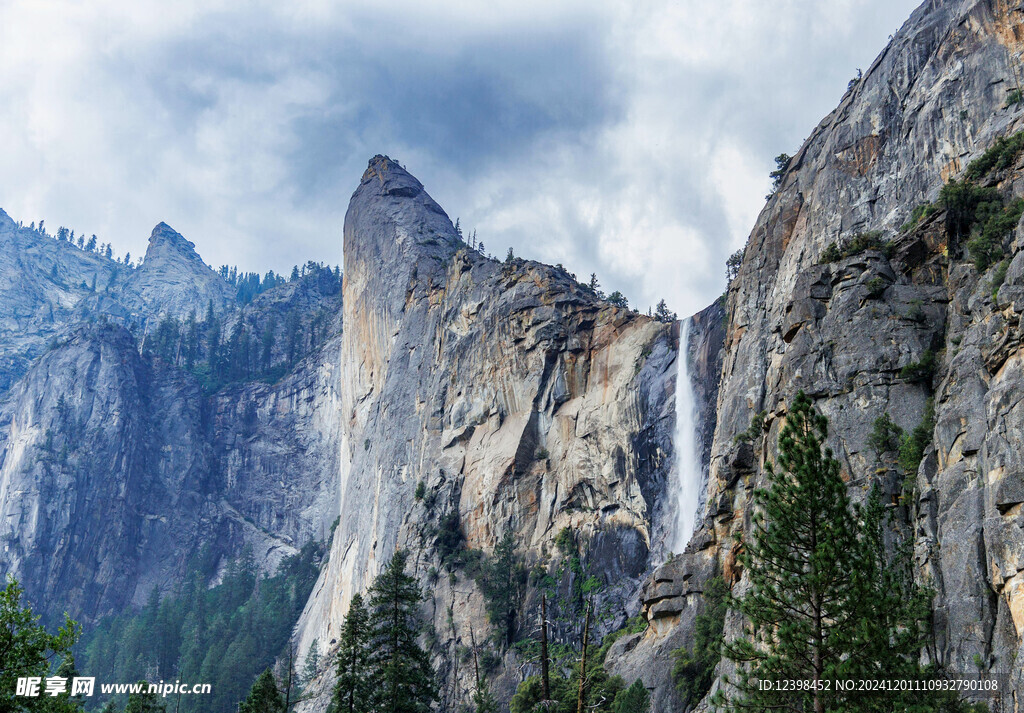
(393,231)
(174,277)
(164,237)
(390,178)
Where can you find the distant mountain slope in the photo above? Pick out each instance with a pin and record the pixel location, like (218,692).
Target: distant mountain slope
(153,416)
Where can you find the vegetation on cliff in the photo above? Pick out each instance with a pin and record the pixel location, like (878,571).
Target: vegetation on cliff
(381,665)
(826,601)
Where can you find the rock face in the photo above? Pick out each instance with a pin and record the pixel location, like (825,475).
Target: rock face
(846,330)
(174,281)
(48,286)
(707,337)
(116,465)
(521,401)
(42,281)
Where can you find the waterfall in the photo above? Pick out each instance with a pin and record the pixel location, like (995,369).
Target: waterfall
(687,467)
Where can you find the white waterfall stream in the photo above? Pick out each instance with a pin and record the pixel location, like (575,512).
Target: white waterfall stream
(687,465)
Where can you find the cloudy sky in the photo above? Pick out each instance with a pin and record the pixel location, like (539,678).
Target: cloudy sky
(632,139)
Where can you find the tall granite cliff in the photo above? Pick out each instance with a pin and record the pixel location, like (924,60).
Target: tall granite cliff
(520,400)
(852,325)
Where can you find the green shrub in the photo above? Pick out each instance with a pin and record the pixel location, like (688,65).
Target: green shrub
(831,254)
(694,669)
(916,311)
(490,660)
(634,699)
(421,490)
(999,156)
(998,278)
(922,210)
(541,454)
(1014,97)
(961,200)
(995,223)
(565,541)
(450,540)
(885,436)
(870,240)
(754,429)
(913,445)
(876,287)
(922,370)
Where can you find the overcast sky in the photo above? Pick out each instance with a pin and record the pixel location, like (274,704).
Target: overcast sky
(632,139)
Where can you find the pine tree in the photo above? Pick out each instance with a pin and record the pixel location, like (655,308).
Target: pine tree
(483,700)
(64,702)
(263,696)
(782,162)
(311,666)
(618,299)
(25,646)
(799,561)
(818,587)
(144,702)
(634,699)
(402,678)
(502,584)
(662,313)
(352,689)
(267,350)
(893,617)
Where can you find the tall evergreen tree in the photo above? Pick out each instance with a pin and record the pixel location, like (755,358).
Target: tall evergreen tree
(402,678)
(799,561)
(144,702)
(263,696)
(352,690)
(26,647)
(893,618)
(634,699)
(267,350)
(816,586)
(502,584)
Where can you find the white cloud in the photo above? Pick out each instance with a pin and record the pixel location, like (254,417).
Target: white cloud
(629,139)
